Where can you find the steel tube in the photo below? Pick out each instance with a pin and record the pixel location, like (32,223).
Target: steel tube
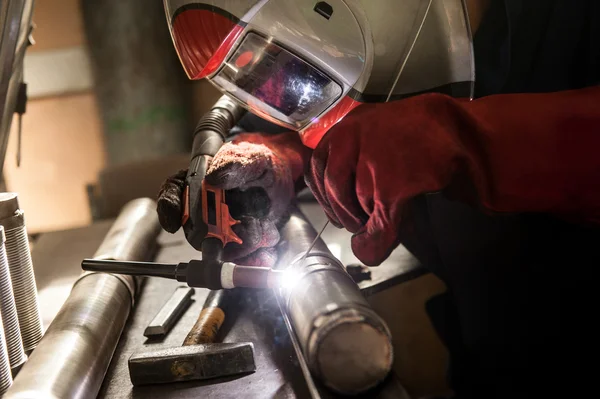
(345,343)
(73,357)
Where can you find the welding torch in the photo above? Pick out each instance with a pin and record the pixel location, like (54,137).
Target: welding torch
(195,273)
(211,274)
(206,219)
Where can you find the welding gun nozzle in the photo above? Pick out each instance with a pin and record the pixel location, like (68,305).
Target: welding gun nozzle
(195,273)
(165,270)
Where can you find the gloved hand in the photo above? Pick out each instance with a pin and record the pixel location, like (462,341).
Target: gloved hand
(504,153)
(259,173)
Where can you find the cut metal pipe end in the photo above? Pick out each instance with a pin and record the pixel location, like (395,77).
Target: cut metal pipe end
(22,276)
(345,343)
(350,349)
(10,321)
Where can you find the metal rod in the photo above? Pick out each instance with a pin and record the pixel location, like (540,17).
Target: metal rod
(315,240)
(73,357)
(19,138)
(171,311)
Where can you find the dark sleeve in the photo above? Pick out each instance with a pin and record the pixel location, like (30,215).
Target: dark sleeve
(555,44)
(537,46)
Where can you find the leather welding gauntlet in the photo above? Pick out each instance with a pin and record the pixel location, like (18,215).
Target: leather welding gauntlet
(503,153)
(259,174)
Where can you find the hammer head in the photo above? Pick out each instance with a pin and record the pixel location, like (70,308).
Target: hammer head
(191,362)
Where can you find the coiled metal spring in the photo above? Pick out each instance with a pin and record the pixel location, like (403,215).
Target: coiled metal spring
(21,270)
(10,320)
(25,290)
(5,373)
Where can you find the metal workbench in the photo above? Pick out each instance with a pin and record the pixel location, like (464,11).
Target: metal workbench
(57,258)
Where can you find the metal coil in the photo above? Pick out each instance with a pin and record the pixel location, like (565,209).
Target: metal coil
(10,321)
(24,287)
(5,372)
(21,270)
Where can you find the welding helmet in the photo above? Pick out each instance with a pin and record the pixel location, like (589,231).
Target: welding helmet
(304,64)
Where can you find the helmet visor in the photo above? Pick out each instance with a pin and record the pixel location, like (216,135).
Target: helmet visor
(275,83)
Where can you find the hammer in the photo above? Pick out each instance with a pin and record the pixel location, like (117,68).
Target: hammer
(199,358)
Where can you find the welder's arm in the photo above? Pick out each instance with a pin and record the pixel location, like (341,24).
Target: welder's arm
(503,153)
(259,173)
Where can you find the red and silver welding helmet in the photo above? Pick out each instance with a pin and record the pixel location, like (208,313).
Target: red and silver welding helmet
(304,64)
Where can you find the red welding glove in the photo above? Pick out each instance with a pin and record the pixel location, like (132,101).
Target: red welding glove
(259,173)
(505,153)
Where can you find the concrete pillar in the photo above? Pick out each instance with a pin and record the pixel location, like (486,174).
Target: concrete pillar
(143,94)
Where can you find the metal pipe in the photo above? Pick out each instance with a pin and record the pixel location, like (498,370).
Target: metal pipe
(345,343)
(22,276)
(73,357)
(10,321)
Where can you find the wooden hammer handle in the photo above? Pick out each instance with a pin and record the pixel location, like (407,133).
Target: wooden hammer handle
(209,321)
(206,328)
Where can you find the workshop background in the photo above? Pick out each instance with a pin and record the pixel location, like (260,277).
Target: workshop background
(110,116)
(65,146)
